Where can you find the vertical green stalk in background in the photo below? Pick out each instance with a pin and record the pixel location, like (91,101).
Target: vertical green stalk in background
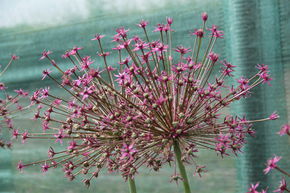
(132,185)
(250,41)
(181,167)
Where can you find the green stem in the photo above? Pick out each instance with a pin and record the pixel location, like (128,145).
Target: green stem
(181,167)
(132,185)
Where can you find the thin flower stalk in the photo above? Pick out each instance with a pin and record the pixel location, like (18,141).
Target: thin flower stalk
(10,105)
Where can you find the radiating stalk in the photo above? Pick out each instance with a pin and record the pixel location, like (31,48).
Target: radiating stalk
(132,185)
(181,167)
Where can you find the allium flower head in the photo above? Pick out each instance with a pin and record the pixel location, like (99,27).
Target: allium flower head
(158,100)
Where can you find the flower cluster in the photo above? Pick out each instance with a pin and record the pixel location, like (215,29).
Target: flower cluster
(9,105)
(273,164)
(159,101)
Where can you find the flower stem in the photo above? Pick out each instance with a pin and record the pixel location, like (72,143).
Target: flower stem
(282,171)
(132,185)
(181,167)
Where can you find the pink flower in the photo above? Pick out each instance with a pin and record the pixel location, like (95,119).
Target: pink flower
(216,33)
(21,92)
(118,47)
(283,187)
(57,102)
(274,116)
(160,27)
(199,170)
(20,166)
(182,50)
(266,77)
(44,167)
(253,188)
(104,54)
(66,55)
(122,78)
(160,100)
(45,73)
(72,145)
(213,57)
(262,67)
(285,129)
(59,136)
(45,54)
(86,62)
(198,32)
(51,152)
(110,68)
(228,68)
(128,151)
(143,24)
(94,73)
(15,133)
(2,86)
(76,49)
(86,93)
(44,92)
(122,32)
(45,125)
(169,20)
(24,136)
(204,16)
(271,164)
(98,37)
(14,57)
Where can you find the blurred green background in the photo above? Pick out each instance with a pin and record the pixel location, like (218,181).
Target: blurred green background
(256,31)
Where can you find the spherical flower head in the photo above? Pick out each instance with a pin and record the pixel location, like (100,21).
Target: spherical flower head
(285,129)
(140,114)
(204,16)
(272,164)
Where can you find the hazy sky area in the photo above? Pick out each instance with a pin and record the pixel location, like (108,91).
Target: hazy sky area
(55,12)
(40,12)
